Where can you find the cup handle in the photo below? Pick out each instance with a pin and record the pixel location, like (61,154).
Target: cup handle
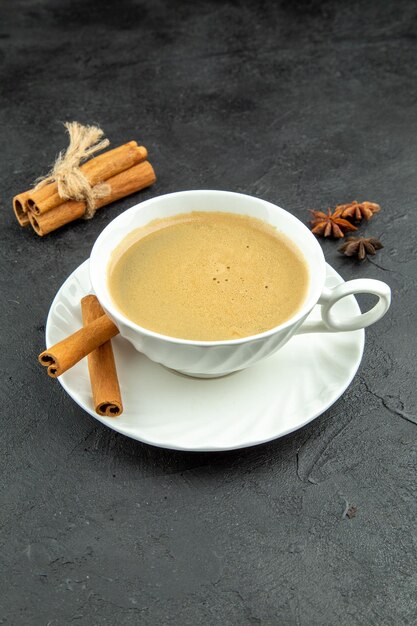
(329,322)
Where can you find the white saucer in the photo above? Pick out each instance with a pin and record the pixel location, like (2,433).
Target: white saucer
(268,400)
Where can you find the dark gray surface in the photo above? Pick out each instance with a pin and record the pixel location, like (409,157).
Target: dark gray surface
(306,104)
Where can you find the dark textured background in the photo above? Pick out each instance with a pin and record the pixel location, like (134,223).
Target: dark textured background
(306,104)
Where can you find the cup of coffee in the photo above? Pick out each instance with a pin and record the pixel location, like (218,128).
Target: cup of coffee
(210,282)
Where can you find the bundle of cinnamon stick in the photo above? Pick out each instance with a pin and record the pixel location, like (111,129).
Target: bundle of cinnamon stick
(124,170)
(94,341)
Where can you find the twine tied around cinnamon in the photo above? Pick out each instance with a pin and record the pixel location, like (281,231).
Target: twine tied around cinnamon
(84,141)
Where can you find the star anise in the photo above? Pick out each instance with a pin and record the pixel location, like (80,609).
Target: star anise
(358,210)
(360,247)
(330,224)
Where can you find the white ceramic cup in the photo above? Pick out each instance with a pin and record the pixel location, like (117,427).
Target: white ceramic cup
(218,358)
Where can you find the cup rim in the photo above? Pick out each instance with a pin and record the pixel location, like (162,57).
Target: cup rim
(122,319)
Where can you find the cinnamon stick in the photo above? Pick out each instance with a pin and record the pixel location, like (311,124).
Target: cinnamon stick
(63,355)
(20,208)
(101,366)
(123,184)
(96,170)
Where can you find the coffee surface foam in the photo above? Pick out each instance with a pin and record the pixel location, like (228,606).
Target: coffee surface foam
(208,276)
